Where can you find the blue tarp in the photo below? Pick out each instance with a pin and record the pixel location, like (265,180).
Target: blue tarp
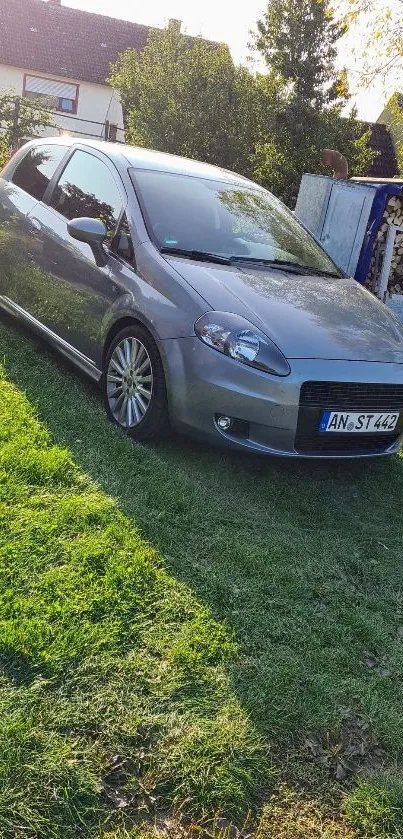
(384,191)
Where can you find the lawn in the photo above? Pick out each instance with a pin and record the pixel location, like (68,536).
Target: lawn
(190,637)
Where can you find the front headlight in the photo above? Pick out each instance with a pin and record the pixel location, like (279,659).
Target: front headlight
(234,336)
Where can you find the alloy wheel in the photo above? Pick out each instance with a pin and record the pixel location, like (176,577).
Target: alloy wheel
(129,382)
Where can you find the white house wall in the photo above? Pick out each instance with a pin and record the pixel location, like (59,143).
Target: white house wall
(96,104)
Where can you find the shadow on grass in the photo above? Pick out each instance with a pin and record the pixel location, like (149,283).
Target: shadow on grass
(19,669)
(301,559)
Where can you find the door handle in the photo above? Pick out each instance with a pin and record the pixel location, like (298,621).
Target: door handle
(35,226)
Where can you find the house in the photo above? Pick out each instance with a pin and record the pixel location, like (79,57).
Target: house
(63,56)
(384,164)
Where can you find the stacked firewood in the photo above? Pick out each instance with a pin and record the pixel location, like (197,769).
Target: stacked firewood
(393,214)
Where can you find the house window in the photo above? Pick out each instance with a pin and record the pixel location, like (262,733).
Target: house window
(58,96)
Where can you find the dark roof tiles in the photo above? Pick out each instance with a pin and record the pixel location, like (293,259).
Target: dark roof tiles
(384,164)
(50,38)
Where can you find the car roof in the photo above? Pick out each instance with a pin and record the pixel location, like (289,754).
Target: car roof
(146,159)
(140,158)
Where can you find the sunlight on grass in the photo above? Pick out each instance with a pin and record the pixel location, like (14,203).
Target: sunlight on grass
(114,686)
(291,816)
(374,806)
(263,628)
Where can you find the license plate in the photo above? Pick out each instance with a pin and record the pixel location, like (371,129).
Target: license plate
(346,422)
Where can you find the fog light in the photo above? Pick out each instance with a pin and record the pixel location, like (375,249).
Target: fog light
(224,423)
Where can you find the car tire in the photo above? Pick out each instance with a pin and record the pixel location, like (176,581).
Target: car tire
(133,384)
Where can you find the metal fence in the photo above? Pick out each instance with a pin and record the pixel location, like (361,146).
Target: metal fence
(100,130)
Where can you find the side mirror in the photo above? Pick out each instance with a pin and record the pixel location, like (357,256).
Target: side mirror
(93,232)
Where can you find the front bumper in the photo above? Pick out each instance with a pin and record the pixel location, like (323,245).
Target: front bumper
(202,384)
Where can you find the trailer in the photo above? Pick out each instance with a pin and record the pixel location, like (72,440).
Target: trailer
(359,222)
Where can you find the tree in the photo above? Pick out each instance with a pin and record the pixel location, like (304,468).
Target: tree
(295,147)
(394,120)
(378,27)
(77,204)
(20,118)
(185,96)
(298,41)
(4,151)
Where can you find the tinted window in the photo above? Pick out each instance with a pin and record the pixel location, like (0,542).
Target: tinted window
(87,188)
(37,169)
(228,219)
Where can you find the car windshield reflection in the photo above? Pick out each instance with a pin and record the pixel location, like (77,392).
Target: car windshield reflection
(228,220)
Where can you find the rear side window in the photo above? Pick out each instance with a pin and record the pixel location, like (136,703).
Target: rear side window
(37,168)
(87,188)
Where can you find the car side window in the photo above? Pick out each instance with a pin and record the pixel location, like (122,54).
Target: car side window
(37,168)
(87,188)
(122,244)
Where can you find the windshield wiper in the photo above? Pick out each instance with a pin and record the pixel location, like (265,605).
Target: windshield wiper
(284,265)
(280,264)
(201,256)
(318,272)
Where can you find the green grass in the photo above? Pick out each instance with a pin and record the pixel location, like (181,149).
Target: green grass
(114,685)
(231,616)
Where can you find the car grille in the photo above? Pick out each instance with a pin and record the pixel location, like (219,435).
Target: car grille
(352,395)
(315,397)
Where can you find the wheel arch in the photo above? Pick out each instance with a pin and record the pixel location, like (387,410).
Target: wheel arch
(121,322)
(132,320)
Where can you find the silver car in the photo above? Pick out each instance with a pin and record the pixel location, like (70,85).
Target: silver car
(196,298)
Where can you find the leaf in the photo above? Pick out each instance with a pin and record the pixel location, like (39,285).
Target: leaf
(341,772)
(371,660)
(115,797)
(313,745)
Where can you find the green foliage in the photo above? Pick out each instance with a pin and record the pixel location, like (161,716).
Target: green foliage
(25,122)
(377,28)
(296,146)
(4,150)
(297,39)
(188,98)
(375,806)
(395,124)
(380,25)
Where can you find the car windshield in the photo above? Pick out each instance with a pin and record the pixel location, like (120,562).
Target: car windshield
(228,219)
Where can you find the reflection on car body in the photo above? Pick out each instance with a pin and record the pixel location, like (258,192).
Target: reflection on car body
(196,298)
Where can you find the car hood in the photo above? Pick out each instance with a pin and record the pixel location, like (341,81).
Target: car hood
(306,316)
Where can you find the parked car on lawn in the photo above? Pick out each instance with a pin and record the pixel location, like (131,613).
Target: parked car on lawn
(196,298)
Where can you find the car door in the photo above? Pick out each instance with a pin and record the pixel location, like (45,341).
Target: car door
(72,292)
(25,181)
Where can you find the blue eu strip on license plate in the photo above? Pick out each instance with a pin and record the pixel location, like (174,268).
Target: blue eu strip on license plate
(353,422)
(324,421)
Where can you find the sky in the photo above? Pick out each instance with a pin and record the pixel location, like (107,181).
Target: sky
(221,20)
